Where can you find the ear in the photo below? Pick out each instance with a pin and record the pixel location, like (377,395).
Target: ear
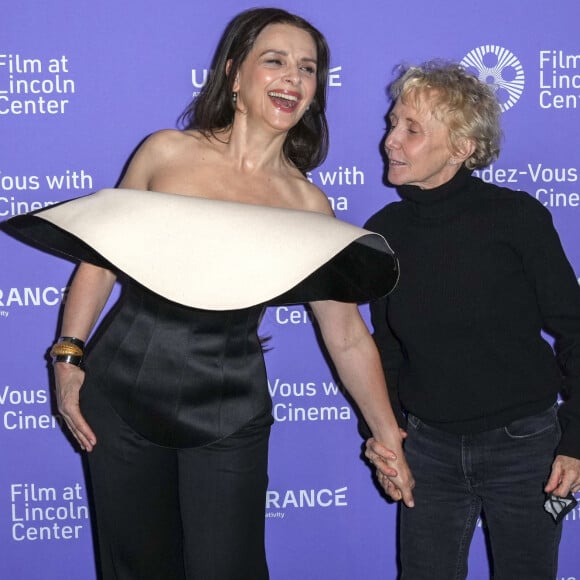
(228,68)
(463,151)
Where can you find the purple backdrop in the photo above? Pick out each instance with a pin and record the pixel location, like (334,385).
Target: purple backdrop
(82,83)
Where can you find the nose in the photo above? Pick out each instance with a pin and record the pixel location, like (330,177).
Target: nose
(292,75)
(391,139)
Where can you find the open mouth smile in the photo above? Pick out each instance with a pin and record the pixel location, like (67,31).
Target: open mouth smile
(284,101)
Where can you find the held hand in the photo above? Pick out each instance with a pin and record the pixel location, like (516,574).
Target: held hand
(69,380)
(376,451)
(565,476)
(393,472)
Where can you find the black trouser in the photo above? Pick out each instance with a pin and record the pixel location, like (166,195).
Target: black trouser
(174,514)
(500,472)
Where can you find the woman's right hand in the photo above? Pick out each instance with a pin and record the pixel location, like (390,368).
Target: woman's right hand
(69,381)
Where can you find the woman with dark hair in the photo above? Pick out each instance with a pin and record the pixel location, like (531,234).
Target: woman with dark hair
(211,225)
(307,142)
(483,274)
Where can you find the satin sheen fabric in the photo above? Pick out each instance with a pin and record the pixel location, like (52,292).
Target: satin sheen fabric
(179,376)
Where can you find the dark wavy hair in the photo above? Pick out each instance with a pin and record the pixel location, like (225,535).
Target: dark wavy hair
(306,144)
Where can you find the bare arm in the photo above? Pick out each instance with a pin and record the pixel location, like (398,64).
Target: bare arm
(88,294)
(355,356)
(90,290)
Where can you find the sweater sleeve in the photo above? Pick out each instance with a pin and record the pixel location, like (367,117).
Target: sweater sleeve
(387,345)
(558,296)
(390,352)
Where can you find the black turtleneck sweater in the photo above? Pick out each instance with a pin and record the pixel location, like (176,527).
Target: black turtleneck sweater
(483,273)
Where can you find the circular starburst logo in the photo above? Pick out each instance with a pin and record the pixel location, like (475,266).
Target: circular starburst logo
(499,68)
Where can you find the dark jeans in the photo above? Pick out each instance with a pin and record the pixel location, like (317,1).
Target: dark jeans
(177,514)
(500,473)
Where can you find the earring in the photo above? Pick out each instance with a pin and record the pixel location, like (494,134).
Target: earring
(234,97)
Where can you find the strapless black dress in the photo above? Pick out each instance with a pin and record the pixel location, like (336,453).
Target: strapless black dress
(179,357)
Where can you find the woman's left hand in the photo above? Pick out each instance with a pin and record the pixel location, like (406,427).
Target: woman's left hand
(565,476)
(379,456)
(392,471)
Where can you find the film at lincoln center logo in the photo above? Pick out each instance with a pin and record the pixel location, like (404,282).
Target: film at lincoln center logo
(499,68)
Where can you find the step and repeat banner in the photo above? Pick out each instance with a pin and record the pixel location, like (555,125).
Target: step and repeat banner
(82,83)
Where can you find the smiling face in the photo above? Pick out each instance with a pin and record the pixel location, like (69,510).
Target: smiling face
(277,81)
(418,147)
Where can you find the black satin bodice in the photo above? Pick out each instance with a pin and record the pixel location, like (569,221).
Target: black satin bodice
(180,376)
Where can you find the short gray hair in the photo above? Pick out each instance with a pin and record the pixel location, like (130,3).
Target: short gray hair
(466,105)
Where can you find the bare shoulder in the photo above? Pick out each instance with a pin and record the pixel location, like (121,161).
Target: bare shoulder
(167,142)
(160,156)
(313,198)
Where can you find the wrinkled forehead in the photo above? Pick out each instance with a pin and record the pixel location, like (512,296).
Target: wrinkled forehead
(425,99)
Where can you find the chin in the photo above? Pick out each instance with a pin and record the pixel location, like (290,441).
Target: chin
(394,180)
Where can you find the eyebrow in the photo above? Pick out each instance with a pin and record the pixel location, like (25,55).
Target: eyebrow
(392,117)
(284,53)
